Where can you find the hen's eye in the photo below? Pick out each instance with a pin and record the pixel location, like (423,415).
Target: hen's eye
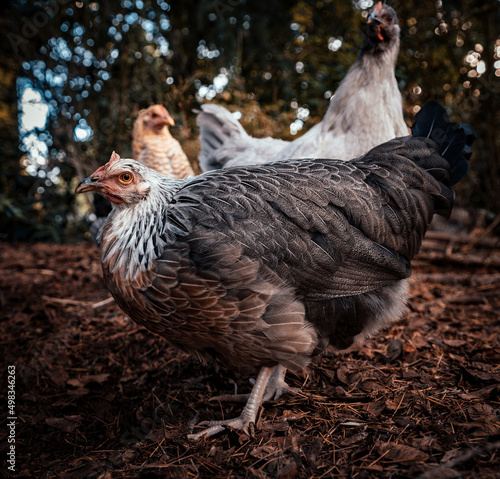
(154,115)
(126,178)
(389,18)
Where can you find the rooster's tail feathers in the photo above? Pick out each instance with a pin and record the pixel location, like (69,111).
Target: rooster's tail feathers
(216,125)
(454,140)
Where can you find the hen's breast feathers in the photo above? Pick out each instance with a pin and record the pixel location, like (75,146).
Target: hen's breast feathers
(366,110)
(160,151)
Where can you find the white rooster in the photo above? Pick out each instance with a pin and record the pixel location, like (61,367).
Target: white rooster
(365,111)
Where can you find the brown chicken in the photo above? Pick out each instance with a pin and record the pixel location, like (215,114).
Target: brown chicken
(154,146)
(263,267)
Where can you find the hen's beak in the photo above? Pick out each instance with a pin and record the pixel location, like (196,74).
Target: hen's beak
(90,183)
(159,123)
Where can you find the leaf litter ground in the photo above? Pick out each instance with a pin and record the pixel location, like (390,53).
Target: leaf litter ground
(99,397)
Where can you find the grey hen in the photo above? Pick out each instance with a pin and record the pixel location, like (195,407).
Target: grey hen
(264,266)
(365,111)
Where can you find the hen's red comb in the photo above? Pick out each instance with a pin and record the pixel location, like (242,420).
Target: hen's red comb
(114,157)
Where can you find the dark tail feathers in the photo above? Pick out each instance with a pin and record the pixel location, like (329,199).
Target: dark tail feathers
(454,140)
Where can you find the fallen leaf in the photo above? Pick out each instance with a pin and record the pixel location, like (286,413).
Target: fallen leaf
(450,455)
(481,412)
(394,350)
(342,375)
(401,453)
(375,408)
(263,452)
(355,438)
(65,424)
(58,375)
(454,343)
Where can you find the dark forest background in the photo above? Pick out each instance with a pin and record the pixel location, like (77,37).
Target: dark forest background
(93,65)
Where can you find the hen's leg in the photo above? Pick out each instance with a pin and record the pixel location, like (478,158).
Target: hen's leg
(249,413)
(274,389)
(277,384)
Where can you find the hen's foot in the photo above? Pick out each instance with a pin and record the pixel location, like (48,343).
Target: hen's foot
(249,414)
(239,423)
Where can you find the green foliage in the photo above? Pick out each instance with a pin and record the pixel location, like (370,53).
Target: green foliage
(98,63)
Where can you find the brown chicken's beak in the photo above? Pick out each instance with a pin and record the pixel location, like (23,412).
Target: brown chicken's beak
(169,120)
(164,120)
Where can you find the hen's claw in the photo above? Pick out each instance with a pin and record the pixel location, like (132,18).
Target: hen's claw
(238,423)
(248,415)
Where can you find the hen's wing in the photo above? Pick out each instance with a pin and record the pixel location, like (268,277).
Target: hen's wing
(319,223)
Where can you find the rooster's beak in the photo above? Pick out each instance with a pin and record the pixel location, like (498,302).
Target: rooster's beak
(374,19)
(374,27)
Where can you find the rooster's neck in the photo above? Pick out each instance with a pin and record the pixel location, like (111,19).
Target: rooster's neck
(383,55)
(369,91)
